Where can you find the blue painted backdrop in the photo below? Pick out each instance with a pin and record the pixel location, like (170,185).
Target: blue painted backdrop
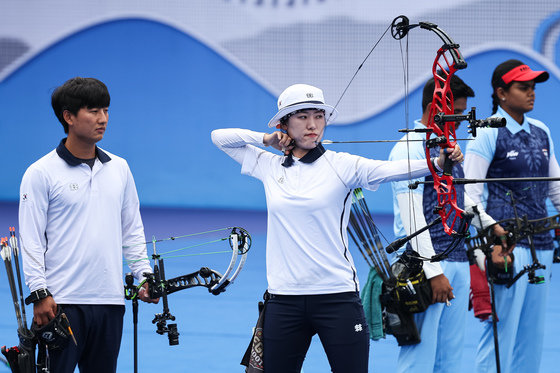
(169,91)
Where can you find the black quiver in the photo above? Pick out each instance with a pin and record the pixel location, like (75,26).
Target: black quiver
(397,321)
(408,292)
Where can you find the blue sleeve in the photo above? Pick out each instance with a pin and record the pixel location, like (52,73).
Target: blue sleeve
(414,150)
(484,144)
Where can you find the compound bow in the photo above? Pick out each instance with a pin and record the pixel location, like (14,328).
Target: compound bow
(440,131)
(216,283)
(518,228)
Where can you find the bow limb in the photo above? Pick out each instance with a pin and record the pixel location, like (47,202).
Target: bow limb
(240,242)
(448,60)
(214,281)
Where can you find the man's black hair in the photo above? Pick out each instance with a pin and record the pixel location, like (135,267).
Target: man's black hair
(459,89)
(77,93)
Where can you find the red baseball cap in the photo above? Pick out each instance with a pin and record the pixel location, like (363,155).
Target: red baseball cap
(523,73)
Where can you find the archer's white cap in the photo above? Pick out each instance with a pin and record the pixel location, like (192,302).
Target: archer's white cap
(302,96)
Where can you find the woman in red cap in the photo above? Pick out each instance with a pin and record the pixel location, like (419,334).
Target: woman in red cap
(523,148)
(312,282)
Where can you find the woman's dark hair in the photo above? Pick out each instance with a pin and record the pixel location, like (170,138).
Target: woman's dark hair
(284,119)
(498,82)
(77,93)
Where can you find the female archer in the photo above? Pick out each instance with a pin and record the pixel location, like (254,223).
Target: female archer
(521,149)
(312,282)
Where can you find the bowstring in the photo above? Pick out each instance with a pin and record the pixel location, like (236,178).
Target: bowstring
(173,238)
(166,255)
(344,93)
(406,81)
(405,64)
(197,254)
(358,70)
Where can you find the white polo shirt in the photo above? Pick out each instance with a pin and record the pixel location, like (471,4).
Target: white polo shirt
(73,223)
(308,210)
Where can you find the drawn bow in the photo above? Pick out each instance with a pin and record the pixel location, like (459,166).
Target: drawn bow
(442,122)
(440,130)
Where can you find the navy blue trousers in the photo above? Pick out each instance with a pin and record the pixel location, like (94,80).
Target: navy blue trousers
(290,321)
(98,331)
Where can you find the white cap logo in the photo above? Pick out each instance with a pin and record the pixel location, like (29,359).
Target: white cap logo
(301,96)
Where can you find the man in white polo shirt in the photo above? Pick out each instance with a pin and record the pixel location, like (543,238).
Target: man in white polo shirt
(78,209)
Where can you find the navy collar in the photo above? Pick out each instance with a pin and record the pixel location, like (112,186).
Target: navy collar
(69,158)
(313,154)
(310,157)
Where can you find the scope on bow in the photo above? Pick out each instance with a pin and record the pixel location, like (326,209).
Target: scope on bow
(493,122)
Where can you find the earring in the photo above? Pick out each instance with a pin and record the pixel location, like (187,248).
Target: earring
(503,98)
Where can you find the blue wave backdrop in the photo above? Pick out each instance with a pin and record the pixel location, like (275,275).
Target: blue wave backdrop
(169,90)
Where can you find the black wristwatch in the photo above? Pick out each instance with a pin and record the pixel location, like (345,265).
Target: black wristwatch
(37,295)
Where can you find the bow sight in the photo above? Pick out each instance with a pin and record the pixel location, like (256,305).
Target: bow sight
(474,123)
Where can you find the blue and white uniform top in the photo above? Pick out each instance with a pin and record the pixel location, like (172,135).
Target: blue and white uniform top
(413,209)
(308,209)
(516,150)
(73,223)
